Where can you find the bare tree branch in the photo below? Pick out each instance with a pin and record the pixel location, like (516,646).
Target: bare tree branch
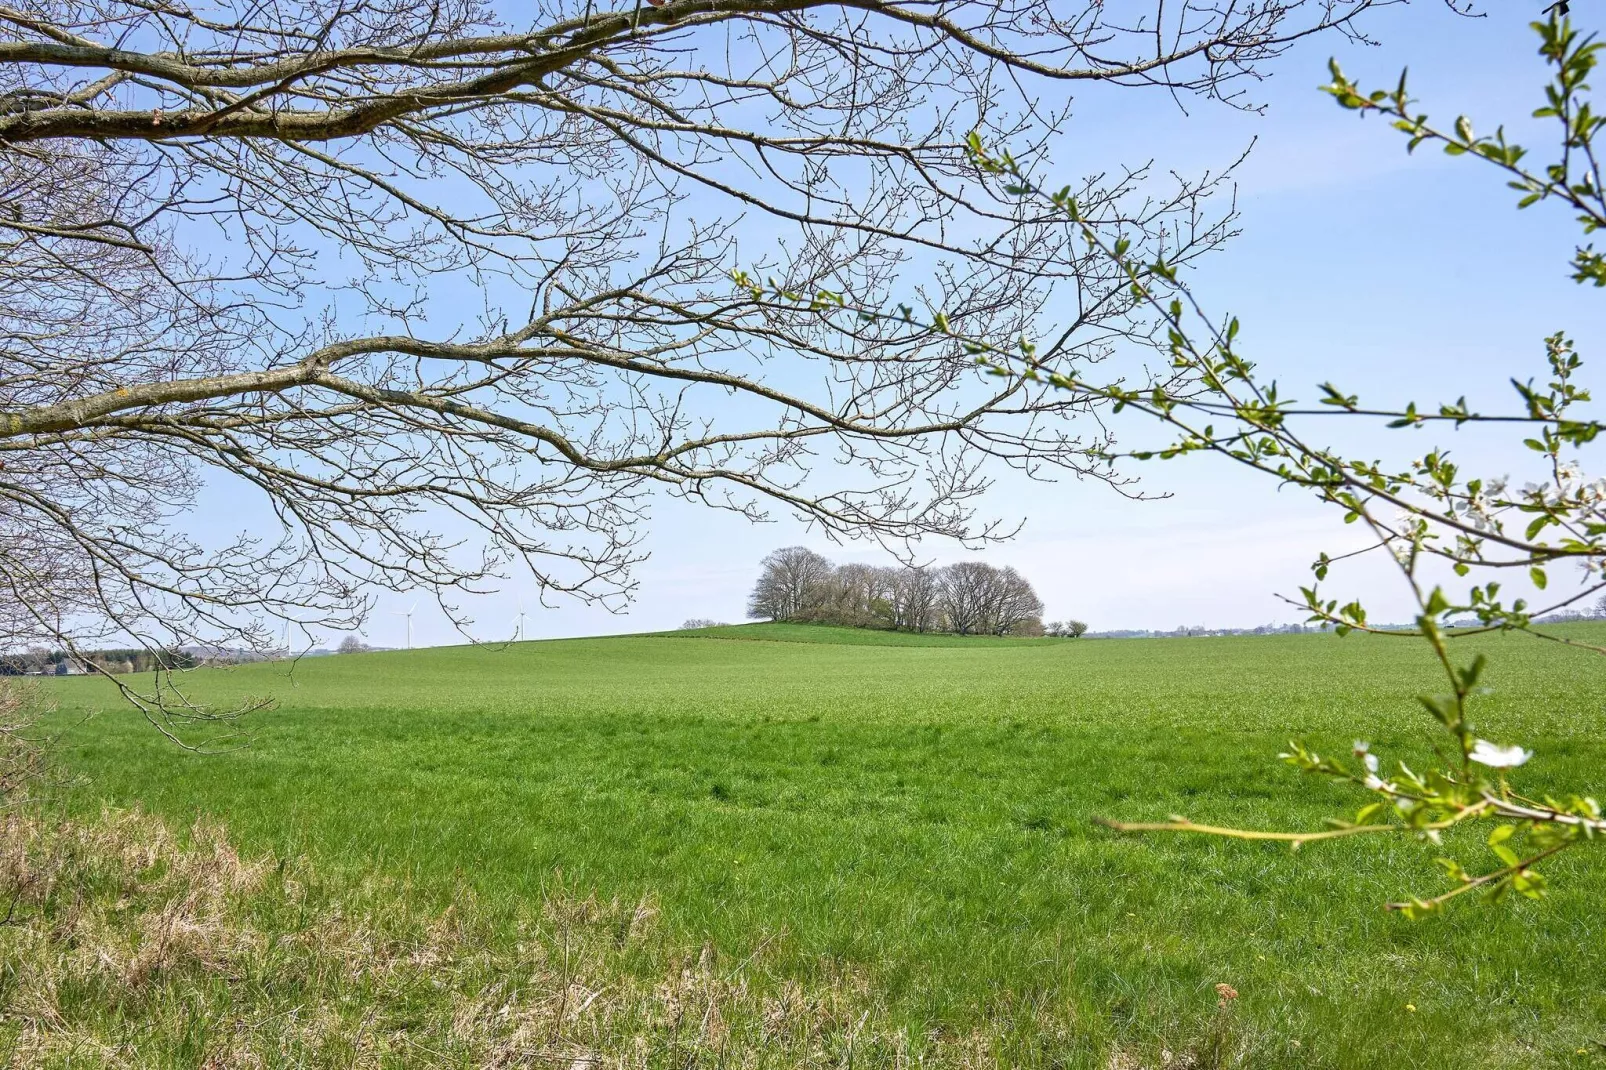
(446,296)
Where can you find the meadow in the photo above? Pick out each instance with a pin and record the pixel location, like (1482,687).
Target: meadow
(909,820)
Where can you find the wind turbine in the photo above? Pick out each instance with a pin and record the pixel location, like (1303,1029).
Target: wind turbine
(518,622)
(408,613)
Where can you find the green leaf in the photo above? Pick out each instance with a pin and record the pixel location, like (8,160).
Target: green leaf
(1441,707)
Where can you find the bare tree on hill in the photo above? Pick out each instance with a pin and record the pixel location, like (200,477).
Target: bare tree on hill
(1013,604)
(914,600)
(412,276)
(964,594)
(790,580)
(858,588)
(974,598)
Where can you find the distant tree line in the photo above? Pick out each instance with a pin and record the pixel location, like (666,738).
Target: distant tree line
(39,661)
(967,598)
(1569,616)
(1196,631)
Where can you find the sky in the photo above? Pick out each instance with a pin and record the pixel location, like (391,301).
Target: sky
(1398,277)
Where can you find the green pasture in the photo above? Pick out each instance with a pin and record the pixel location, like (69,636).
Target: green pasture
(916,814)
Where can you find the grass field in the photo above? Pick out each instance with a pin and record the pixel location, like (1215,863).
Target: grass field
(914,814)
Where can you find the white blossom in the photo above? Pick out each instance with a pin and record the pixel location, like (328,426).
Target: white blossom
(1485,753)
(1567,477)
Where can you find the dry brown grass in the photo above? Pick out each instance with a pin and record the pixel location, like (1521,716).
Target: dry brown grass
(126,944)
(21,747)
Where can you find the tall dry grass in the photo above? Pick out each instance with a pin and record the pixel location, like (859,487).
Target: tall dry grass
(126,944)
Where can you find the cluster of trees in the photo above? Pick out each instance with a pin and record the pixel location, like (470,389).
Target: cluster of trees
(41,661)
(969,597)
(36,661)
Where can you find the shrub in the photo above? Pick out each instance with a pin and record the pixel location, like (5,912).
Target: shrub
(840,616)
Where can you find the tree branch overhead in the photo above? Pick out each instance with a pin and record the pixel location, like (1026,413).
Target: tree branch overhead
(377,266)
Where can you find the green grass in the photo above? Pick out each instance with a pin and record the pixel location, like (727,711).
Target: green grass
(916,812)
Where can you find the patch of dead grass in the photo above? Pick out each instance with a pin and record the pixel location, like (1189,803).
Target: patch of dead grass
(127,944)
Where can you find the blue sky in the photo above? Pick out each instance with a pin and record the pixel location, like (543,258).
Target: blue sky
(1395,276)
